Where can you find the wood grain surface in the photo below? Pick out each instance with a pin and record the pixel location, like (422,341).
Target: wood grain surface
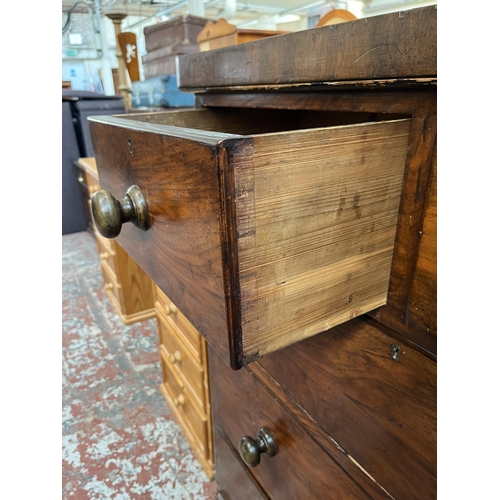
(302,226)
(423,299)
(236,482)
(137,286)
(316,214)
(348,51)
(420,105)
(381,412)
(301,469)
(181,250)
(386,100)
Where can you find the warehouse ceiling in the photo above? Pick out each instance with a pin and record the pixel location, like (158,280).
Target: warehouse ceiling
(239,12)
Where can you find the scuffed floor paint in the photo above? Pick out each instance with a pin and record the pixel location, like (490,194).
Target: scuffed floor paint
(119,438)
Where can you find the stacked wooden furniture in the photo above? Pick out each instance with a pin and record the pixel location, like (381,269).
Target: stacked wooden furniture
(292,219)
(165,41)
(127,286)
(223,34)
(185,385)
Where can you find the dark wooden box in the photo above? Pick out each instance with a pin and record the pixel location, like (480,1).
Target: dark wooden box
(183,29)
(162,61)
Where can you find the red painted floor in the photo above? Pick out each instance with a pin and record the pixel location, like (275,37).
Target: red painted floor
(119,438)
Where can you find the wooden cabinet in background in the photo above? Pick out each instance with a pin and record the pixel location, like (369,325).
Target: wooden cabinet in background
(128,287)
(222,34)
(185,385)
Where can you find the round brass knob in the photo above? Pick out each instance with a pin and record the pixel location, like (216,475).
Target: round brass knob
(179,401)
(175,357)
(109,213)
(170,309)
(251,449)
(108,286)
(104,255)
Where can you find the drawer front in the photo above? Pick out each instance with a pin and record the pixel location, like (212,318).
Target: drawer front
(89,182)
(107,253)
(381,410)
(233,479)
(181,250)
(166,308)
(193,420)
(300,469)
(92,183)
(184,363)
(260,238)
(82,177)
(111,285)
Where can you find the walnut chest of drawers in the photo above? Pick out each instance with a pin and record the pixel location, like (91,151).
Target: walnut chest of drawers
(292,219)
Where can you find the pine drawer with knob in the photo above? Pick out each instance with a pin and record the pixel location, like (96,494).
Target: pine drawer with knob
(89,184)
(185,384)
(128,287)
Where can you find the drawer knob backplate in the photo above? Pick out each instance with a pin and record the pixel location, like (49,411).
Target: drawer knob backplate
(251,449)
(109,213)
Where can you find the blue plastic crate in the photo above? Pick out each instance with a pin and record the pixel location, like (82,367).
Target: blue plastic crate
(160,91)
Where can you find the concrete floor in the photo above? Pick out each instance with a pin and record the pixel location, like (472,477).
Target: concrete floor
(119,438)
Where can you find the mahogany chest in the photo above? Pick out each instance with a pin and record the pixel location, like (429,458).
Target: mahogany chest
(292,219)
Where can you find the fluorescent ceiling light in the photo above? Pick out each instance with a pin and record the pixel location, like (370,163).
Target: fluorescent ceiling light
(288,18)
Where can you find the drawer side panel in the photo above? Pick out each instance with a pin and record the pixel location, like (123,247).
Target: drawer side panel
(316,216)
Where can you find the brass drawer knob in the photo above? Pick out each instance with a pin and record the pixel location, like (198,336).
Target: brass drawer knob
(108,286)
(175,357)
(251,449)
(179,401)
(109,213)
(104,256)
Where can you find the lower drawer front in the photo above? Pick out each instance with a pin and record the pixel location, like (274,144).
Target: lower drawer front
(187,366)
(300,469)
(376,397)
(167,308)
(111,284)
(233,479)
(88,181)
(106,253)
(193,421)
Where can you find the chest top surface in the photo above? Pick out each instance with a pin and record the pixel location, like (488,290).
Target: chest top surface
(401,45)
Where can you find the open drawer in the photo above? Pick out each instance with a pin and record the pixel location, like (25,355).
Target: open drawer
(264,227)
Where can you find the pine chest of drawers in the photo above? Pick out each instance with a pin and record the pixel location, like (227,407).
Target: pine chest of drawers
(127,286)
(292,218)
(185,386)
